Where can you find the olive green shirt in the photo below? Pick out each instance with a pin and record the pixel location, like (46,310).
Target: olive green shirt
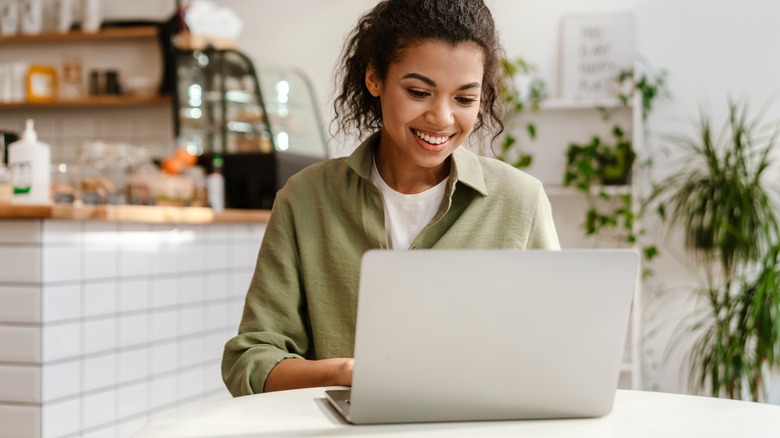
(302,300)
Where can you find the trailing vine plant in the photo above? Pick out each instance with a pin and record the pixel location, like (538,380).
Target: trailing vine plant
(602,168)
(517,101)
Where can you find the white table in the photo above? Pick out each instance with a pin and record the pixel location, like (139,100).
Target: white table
(636,414)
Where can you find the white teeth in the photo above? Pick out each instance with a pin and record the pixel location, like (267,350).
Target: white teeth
(429,139)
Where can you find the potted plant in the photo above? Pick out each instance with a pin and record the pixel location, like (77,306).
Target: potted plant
(522,91)
(721,201)
(592,168)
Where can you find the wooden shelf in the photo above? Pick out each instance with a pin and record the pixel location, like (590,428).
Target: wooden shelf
(92,101)
(112,33)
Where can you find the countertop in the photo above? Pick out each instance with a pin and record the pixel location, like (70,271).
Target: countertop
(133,213)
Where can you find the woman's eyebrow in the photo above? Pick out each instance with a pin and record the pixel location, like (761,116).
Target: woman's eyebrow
(432,83)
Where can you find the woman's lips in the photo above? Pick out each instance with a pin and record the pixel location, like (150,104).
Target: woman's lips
(431,141)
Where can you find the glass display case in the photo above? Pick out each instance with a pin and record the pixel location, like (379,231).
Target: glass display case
(265,125)
(219,106)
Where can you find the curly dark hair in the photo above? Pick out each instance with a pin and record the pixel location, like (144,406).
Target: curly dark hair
(393,25)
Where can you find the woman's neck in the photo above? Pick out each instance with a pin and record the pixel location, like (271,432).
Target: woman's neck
(406,177)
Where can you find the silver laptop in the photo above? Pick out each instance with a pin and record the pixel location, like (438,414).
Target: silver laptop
(463,335)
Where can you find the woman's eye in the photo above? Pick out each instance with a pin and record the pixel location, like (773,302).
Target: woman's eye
(466,100)
(417,94)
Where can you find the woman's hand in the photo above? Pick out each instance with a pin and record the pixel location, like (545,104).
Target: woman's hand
(300,373)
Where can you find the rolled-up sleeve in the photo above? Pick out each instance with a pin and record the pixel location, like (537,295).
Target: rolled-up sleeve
(274,325)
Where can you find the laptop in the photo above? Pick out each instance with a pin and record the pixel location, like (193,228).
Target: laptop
(466,335)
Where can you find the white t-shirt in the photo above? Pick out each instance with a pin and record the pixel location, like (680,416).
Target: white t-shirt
(407,215)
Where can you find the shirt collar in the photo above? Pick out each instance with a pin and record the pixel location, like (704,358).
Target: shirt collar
(466,169)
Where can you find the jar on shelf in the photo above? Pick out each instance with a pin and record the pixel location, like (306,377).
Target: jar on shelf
(93,160)
(65,182)
(143,174)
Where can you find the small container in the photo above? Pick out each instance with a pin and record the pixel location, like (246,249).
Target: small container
(72,86)
(41,83)
(95,86)
(112,84)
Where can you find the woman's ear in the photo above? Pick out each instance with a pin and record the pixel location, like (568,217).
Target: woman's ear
(373,83)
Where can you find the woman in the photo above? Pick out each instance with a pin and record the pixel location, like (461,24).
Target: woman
(423,76)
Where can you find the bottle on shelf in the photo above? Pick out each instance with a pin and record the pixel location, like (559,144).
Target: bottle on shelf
(30,164)
(215,184)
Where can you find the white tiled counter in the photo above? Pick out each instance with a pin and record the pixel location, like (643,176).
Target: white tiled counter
(105,324)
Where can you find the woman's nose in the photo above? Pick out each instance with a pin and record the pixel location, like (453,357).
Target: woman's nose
(439,113)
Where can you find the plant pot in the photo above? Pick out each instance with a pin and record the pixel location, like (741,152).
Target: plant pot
(615,170)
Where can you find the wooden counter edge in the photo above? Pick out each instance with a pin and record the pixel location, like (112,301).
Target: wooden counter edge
(133,213)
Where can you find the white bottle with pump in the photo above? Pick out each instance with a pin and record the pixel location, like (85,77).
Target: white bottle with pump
(30,163)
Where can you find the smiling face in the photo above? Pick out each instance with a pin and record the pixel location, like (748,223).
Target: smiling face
(430,101)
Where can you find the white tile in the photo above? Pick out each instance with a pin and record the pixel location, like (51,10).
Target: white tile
(20,344)
(61,418)
(114,127)
(61,302)
(61,380)
(214,316)
(20,304)
(134,260)
(61,341)
(27,231)
(100,262)
(162,391)
(131,228)
(217,255)
(133,330)
(239,283)
(189,383)
(77,124)
(235,312)
(102,432)
(100,233)
(163,358)
(99,372)
(133,295)
(127,429)
(21,384)
(164,292)
(217,284)
(191,288)
(20,421)
(61,232)
(100,335)
(190,352)
(133,365)
(98,409)
(132,399)
(213,346)
(190,257)
(21,264)
(61,263)
(100,298)
(163,260)
(218,232)
(163,325)
(190,320)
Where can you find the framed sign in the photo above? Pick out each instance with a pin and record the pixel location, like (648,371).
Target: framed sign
(594,49)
